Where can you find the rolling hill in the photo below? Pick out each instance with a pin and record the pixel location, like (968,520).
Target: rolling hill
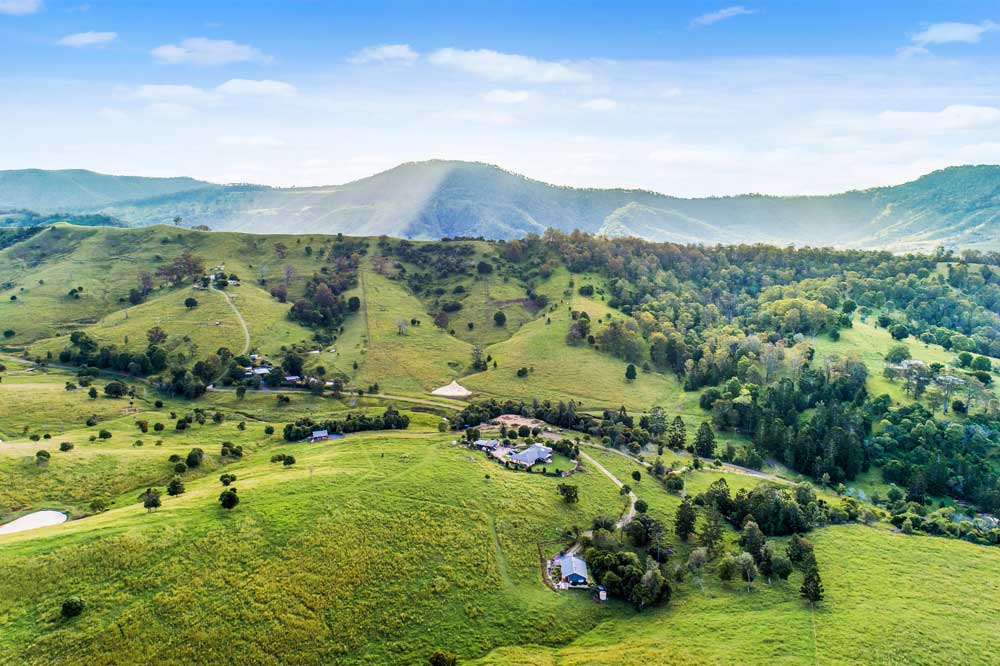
(59,191)
(958,207)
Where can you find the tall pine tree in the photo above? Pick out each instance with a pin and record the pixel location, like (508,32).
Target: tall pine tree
(812,585)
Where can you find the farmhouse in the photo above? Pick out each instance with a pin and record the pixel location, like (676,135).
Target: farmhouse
(319,436)
(573,570)
(531,455)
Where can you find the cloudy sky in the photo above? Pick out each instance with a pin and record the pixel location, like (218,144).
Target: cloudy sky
(686,98)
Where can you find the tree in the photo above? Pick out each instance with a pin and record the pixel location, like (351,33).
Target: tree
(747,568)
(190,302)
(194,457)
(684,521)
(443,657)
(156,335)
(677,439)
(42,457)
(150,499)
(288,461)
(899,332)
(982,364)
(72,607)
(630,373)
(499,318)
(641,506)
(570,493)
(897,354)
(781,567)
(728,568)
(711,534)
(229,499)
(115,389)
(227,479)
(812,585)
(92,393)
(637,476)
(704,441)
(175,487)
(752,540)
(696,564)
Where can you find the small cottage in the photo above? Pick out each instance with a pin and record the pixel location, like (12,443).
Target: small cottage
(319,436)
(573,570)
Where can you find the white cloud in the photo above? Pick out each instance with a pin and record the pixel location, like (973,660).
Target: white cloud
(504,96)
(204,51)
(170,111)
(948,33)
(498,66)
(172,92)
(599,104)
(396,54)
(721,15)
(111,114)
(81,39)
(19,7)
(264,87)
(250,141)
(950,118)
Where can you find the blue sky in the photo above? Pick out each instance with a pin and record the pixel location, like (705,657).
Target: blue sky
(687,98)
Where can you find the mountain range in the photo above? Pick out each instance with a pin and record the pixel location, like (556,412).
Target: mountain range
(955,207)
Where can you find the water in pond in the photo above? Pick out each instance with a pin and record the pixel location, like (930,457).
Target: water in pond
(33,521)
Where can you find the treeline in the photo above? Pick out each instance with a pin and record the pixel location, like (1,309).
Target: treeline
(302,428)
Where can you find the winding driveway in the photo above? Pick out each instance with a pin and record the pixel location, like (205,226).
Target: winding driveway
(239,316)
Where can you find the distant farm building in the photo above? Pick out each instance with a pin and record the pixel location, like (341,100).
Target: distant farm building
(573,570)
(486,444)
(319,436)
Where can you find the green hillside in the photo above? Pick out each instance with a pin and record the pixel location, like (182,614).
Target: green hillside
(668,368)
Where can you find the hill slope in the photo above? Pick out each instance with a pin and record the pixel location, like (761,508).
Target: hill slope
(57,191)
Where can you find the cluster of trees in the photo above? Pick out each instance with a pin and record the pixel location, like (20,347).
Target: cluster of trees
(84,351)
(632,571)
(391,419)
(928,456)
(778,510)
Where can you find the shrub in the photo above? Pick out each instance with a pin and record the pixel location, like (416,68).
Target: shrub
(499,318)
(73,607)
(288,461)
(175,487)
(65,446)
(180,468)
(229,499)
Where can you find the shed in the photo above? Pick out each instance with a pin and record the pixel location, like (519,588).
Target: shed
(319,436)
